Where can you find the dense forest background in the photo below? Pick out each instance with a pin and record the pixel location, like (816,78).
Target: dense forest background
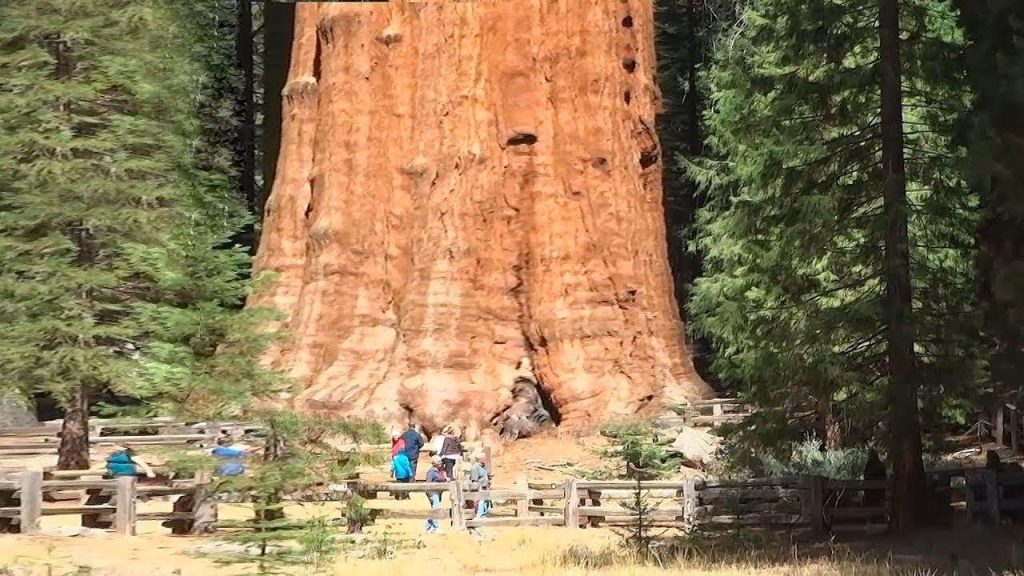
(844,194)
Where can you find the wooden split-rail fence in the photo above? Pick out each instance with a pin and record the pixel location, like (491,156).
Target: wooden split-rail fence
(810,504)
(109,503)
(1008,426)
(44,439)
(799,503)
(708,413)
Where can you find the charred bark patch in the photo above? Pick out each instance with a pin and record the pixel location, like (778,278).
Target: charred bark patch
(521,139)
(649,158)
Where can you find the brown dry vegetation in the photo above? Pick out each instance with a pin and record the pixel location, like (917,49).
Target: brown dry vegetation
(522,551)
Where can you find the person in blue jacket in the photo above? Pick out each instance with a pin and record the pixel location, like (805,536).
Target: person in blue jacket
(413,445)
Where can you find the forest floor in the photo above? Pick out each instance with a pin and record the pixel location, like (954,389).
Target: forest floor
(510,551)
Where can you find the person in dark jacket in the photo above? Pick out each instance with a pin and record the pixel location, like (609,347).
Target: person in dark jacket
(874,470)
(451,451)
(413,444)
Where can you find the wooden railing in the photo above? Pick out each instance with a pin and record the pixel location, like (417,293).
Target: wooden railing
(110,503)
(1006,426)
(44,439)
(800,503)
(710,413)
(807,503)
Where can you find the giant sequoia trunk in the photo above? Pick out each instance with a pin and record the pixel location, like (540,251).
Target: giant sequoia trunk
(468,197)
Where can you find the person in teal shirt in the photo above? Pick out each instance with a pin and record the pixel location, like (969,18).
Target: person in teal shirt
(124,462)
(401,469)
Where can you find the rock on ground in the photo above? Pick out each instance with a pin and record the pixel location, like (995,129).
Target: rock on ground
(15,413)
(697,447)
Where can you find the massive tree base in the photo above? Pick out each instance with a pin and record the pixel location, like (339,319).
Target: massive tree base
(466,219)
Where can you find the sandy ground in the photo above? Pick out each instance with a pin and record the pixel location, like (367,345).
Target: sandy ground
(526,551)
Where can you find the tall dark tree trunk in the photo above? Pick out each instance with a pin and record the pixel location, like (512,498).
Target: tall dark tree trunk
(996,141)
(682,32)
(245,108)
(693,109)
(73,452)
(278,22)
(904,425)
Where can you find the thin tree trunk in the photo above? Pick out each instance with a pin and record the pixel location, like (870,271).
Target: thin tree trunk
(73,452)
(694,10)
(828,423)
(245,140)
(904,426)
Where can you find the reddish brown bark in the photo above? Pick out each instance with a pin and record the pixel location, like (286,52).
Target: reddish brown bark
(908,481)
(463,185)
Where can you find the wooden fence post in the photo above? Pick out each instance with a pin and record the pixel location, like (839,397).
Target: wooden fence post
(717,412)
(458,512)
(213,433)
(997,424)
(689,503)
(572,499)
(813,503)
(204,505)
(31,501)
(595,501)
(523,504)
(991,496)
(1015,429)
(124,515)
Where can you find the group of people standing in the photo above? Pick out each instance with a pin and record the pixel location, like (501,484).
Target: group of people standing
(446,454)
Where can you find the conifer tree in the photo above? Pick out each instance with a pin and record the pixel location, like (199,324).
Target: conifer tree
(118,209)
(92,109)
(797,230)
(993,133)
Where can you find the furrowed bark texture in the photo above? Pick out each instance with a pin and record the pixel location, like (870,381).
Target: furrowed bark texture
(465,185)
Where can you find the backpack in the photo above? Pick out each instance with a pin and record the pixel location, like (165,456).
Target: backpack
(120,464)
(401,467)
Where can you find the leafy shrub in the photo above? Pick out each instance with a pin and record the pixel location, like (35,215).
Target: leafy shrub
(809,457)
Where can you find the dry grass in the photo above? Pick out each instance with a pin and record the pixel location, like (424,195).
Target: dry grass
(510,551)
(524,552)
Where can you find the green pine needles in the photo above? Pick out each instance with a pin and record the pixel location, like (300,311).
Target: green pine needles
(116,268)
(792,230)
